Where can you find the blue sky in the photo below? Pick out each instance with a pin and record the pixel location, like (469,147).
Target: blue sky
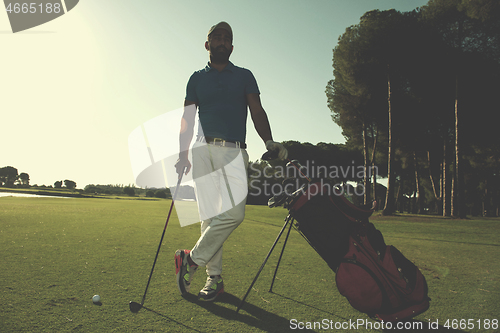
(73,89)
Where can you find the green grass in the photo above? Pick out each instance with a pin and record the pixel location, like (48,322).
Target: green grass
(58,253)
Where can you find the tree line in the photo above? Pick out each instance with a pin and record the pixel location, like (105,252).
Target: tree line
(10,177)
(415,93)
(130,190)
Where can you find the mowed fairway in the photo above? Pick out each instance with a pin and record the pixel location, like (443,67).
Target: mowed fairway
(57,253)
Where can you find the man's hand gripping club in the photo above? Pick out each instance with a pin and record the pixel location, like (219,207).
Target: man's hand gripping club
(276,146)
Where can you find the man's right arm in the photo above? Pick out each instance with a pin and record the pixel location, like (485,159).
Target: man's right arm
(186,135)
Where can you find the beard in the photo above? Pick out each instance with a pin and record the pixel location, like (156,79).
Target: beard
(220,55)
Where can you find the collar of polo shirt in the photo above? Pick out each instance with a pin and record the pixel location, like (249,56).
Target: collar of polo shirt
(229,67)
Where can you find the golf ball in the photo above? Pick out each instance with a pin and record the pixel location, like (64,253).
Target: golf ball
(96,298)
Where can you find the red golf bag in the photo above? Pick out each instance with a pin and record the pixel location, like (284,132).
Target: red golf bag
(377,279)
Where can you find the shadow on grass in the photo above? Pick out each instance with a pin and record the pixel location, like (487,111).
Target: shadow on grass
(413,325)
(249,314)
(267,321)
(313,307)
(171,319)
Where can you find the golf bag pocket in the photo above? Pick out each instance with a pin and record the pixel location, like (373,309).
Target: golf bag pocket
(325,228)
(389,288)
(323,217)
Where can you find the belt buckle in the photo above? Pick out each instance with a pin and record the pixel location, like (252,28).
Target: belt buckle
(219,142)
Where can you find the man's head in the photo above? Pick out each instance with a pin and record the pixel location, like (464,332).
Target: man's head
(219,43)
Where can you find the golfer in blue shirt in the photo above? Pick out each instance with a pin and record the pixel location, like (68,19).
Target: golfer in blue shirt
(221,93)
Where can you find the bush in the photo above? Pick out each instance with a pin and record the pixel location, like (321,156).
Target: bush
(129,191)
(91,189)
(161,194)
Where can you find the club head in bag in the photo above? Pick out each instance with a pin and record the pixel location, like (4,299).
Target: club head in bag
(134,306)
(277,200)
(270,155)
(296,164)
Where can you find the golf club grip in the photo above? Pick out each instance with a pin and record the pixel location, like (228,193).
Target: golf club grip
(270,155)
(174,196)
(178,183)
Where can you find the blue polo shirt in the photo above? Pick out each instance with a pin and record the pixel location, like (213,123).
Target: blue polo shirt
(221,100)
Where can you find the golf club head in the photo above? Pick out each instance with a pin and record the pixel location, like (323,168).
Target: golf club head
(277,200)
(134,307)
(294,163)
(270,155)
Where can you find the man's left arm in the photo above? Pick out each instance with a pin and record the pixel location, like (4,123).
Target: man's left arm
(259,117)
(261,123)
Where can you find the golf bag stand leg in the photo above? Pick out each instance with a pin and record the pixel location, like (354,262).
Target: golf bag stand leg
(281,254)
(287,220)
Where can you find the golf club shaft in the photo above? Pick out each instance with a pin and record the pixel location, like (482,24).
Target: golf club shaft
(163,234)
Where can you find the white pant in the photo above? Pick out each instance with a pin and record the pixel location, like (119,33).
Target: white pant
(221,186)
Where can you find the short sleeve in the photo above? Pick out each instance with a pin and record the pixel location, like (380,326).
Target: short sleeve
(191,89)
(251,86)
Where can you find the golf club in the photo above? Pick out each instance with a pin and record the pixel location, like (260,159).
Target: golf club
(270,155)
(273,154)
(296,164)
(134,306)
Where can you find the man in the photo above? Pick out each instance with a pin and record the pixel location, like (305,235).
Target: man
(221,92)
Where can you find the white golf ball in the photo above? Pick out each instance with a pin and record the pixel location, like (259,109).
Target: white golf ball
(96,298)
